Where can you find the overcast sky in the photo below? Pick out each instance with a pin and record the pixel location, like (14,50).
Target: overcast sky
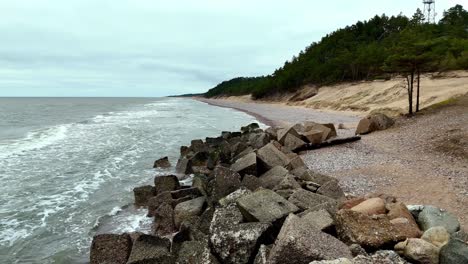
(157,48)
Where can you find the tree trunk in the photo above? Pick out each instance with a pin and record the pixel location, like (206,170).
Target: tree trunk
(417,91)
(410,80)
(411,93)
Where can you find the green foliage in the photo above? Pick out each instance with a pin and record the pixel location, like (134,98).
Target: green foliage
(366,50)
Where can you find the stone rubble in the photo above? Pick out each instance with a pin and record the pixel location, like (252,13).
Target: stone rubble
(253,200)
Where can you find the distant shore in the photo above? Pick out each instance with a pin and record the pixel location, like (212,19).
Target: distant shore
(279,114)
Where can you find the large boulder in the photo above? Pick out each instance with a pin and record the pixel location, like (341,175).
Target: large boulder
(155,202)
(195,252)
(259,140)
(265,205)
(246,165)
(151,249)
(273,177)
(251,182)
(373,123)
(381,121)
(438,236)
(320,219)
(454,252)
(225,182)
(250,128)
(270,156)
(300,242)
(188,209)
(307,200)
(372,206)
(166,183)
(163,223)
(143,194)
(315,136)
(293,143)
(287,186)
(283,133)
(162,163)
(184,166)
(232,241)
(371,231)
(331,189)
(365,126)
(418,251)
(432,216)
(109,248)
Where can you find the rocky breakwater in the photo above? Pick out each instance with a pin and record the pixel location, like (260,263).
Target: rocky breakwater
(253,200)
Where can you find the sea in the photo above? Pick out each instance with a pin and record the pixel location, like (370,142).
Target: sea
(68,167)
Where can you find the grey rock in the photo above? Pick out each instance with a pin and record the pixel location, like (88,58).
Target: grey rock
(193,192)
(143,194)
(166,183)
(332,128)
(418,251)
(454,252)
(357,250)
(184,166)
(163,223)
(188,209)
(246,165)
(234,242)
(162,163)
(151,249)
(293,143)
(296,162)
(321,219)
(251,182)
(225,182)
(288,183)
(155,202)
(250,128)
(461,235)
(232,197)
(109,248)
(381,121)
(331,207)
(432,216)
(331,189)
(272,132)
(265,205)
(300,242)
(195,252)
(438,236)
(260,140)
(283,133)
(307,200)
(273,177)
(380,257)
(262,255)
(271,157)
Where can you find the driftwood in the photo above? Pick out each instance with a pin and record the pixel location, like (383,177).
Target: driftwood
(329,143)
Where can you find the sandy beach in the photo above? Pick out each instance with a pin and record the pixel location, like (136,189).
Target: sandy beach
(414,161)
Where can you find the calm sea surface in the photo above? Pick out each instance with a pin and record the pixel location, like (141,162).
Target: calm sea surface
(68,167)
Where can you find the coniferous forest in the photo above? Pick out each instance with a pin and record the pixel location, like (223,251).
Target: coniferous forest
(378,48)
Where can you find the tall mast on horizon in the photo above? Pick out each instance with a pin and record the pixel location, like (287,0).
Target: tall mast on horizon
(429,11)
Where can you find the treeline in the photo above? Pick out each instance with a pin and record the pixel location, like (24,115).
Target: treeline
(367,50)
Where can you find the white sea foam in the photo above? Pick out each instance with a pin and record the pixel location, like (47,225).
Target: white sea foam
(33,141)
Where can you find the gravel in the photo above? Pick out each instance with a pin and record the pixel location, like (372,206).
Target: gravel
(421,160)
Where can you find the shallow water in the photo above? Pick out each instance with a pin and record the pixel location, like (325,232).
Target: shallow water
(68,167)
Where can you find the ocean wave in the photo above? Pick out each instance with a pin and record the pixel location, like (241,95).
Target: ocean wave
(34,140)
